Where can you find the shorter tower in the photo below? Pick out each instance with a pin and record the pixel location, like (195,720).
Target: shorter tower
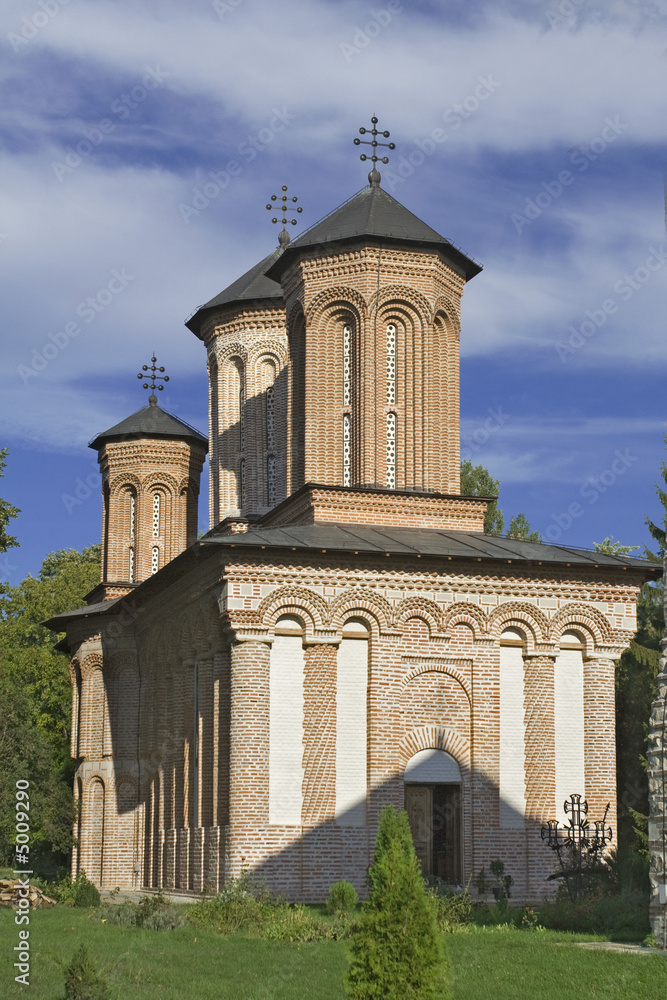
(151,464)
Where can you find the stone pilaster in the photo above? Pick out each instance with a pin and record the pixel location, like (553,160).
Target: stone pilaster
(600,739)
(319,751)
(248,754)
(540,764)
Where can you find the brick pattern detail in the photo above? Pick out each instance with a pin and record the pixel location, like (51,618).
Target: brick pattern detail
(313,504)
(540,766)
(319,755)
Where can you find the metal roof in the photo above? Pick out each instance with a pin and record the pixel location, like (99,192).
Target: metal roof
(150,421)
(372,212)
(362,538)
(252,285)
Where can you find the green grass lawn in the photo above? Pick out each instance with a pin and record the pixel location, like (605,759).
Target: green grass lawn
(171,965)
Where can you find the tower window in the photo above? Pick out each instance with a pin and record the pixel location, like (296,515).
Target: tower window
(391,363)
(242,483)
(347,451)
(347,366)
(156,515)
(271,479)
(133,515)
(131,565)
(391,450)
(155,559)
(270,418)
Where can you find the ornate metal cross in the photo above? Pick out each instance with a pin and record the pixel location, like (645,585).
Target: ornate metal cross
(577,845)
(154,378)
(284,236)
(374,176)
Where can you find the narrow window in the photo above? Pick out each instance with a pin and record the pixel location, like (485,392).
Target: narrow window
(271,479)
(155,559)
(156,515)
(242,483)
(347,366)
(391,363)
(241,415)
(347,451)
(133,515)
(270,418)
(391,451)
(131,565)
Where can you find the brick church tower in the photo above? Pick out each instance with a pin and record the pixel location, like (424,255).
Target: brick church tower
(345,636)
(151,465)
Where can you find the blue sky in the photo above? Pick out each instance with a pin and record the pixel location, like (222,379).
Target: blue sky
(532,135)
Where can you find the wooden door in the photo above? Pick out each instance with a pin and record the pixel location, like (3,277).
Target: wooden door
(419,807)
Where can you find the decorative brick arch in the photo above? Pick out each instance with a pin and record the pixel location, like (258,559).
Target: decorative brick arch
(121,481)
(435,738)
(467,614)
(519,613)
(448,308)
(405,298)
(227,352)
(419,607)
(160,481)
(357,599)
(91,662)
(268,350)
(592,621)
(293,600)
(333,299)
(439,668)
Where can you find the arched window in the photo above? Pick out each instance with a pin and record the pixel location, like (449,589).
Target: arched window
(133,514)
(391,363)
(157,511)
(347,401)
(391,451)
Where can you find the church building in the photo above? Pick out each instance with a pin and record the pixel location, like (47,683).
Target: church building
(345,635)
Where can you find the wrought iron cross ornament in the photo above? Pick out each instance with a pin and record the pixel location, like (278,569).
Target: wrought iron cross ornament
(284,236)
(154,378)
(578,845)
(374,175)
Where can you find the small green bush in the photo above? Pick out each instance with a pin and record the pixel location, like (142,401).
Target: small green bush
(342,897)
(240,905)
(296,923)
(154,913)
(621,916)
(83,979)
(397,950)
(75,892)
(451,908)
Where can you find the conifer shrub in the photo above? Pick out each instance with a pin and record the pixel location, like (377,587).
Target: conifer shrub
(397,950)
(342,897)
(79,891)
(83,979)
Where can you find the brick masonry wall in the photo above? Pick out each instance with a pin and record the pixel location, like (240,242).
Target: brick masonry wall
(433,681)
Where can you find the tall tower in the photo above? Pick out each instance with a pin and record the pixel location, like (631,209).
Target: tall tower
(335,360)
(151,465)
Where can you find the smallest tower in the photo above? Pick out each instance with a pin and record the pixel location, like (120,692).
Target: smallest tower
(151,465)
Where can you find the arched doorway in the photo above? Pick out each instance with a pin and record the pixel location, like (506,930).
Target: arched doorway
(433,804)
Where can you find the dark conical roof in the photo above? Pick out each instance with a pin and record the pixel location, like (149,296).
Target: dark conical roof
(252,285)
(373,213)
(150,422)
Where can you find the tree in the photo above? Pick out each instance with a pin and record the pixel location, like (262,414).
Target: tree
(397,950)
(35,691)
(7,512)
(612,548)
(520,529)
(476,481)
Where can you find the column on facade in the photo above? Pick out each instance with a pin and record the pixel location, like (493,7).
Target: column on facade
(248,752)
(540,762)
(600,739)
(319,752)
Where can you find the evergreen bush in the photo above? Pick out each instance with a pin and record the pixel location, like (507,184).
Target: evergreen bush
(342,897)
(83,979)
(397,951)
(75,892)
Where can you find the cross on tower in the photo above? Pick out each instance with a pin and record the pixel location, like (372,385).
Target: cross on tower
(374,175)
(152,368)
(284,236)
